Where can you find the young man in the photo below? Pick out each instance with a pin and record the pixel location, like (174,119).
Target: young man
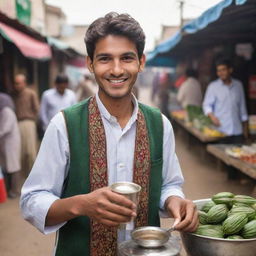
(224,103)
(106,139)
(56,99)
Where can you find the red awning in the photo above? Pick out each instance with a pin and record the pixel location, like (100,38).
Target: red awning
(29,46)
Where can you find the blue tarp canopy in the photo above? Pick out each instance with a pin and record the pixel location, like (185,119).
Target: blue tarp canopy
(196,25)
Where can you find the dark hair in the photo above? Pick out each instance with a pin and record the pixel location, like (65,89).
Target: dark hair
(225,62)
(114,24)
(61,78)
(191,73)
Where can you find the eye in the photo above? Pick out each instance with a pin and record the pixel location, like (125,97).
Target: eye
(104,59)
(128,58)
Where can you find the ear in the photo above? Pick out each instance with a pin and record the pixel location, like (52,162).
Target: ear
(142,62)
(89,64)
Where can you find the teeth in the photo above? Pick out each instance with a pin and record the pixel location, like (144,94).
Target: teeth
(116,81)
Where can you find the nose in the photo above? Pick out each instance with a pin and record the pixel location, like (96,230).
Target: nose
(117,69)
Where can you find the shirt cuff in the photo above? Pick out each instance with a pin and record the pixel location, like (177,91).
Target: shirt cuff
(207,110)
(244,118)
(40,209)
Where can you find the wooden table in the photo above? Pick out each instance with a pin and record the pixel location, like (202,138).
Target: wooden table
(195,132)
(219,152)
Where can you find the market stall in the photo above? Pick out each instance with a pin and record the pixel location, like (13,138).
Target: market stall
(242,158)
(197,125)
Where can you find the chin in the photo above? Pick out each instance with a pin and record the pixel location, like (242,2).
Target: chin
(118,95)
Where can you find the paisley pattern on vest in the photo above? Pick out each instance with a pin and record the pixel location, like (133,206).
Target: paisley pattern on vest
(103,240)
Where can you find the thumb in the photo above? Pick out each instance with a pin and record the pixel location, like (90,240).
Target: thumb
(176,222)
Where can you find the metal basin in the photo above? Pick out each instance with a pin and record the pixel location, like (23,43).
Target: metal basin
(196,245)
(150,237)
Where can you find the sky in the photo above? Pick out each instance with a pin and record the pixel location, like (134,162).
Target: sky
(151,14)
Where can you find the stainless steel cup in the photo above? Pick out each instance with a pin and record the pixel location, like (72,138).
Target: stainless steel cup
(128,189)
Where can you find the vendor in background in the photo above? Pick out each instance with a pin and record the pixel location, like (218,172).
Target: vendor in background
(55,99)
(224,103)
(190,92)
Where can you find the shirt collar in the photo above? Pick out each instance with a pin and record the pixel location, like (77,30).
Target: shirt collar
(61,95)
(104,112)
(229,86)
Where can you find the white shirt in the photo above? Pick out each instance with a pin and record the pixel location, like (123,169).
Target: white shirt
(52,102)
(45,182)
(190,93)
(227,103)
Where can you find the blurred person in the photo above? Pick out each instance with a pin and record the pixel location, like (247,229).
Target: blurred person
(85,88)
(7,101)
(179,81)
(155,84)
(108,138)
(190,92)
(10,144)
(163,93)
(56,99)
(224,103)
(27,107)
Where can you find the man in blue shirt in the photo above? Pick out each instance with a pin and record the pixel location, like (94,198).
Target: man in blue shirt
(224,103)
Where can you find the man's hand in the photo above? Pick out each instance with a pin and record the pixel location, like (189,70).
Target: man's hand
(184,213)
(214,119)
(102,205)
(107,207)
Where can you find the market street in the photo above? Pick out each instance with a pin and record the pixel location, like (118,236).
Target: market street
(202,179)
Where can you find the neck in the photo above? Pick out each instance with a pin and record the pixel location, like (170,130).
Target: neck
(227,81)
(120,108)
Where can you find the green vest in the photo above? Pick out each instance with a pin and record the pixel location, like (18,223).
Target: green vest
(73,239)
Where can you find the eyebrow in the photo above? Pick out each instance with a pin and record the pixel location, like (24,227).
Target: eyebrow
(108,55)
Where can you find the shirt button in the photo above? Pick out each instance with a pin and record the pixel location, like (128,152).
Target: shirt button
(121,165)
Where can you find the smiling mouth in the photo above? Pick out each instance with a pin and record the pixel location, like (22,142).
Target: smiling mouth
(117,81)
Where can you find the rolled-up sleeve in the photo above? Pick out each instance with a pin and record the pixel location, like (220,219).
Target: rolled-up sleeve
(45,181)
(172,175)
(209,100)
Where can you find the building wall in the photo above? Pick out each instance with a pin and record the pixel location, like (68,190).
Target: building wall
(38,15)
(8,7)
(76,38)
(54,20)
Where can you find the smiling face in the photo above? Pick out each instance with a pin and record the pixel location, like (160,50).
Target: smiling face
(115,65)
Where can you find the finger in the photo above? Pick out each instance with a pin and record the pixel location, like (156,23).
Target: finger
(113,217)
(176,222)
(193,226)
(120,210)
(189,214)
(121,200)
(109,223)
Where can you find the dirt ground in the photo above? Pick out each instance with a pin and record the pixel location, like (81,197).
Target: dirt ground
(202,179)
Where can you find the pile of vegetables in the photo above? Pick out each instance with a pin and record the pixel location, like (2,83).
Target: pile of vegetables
(228,216)
(197,117)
